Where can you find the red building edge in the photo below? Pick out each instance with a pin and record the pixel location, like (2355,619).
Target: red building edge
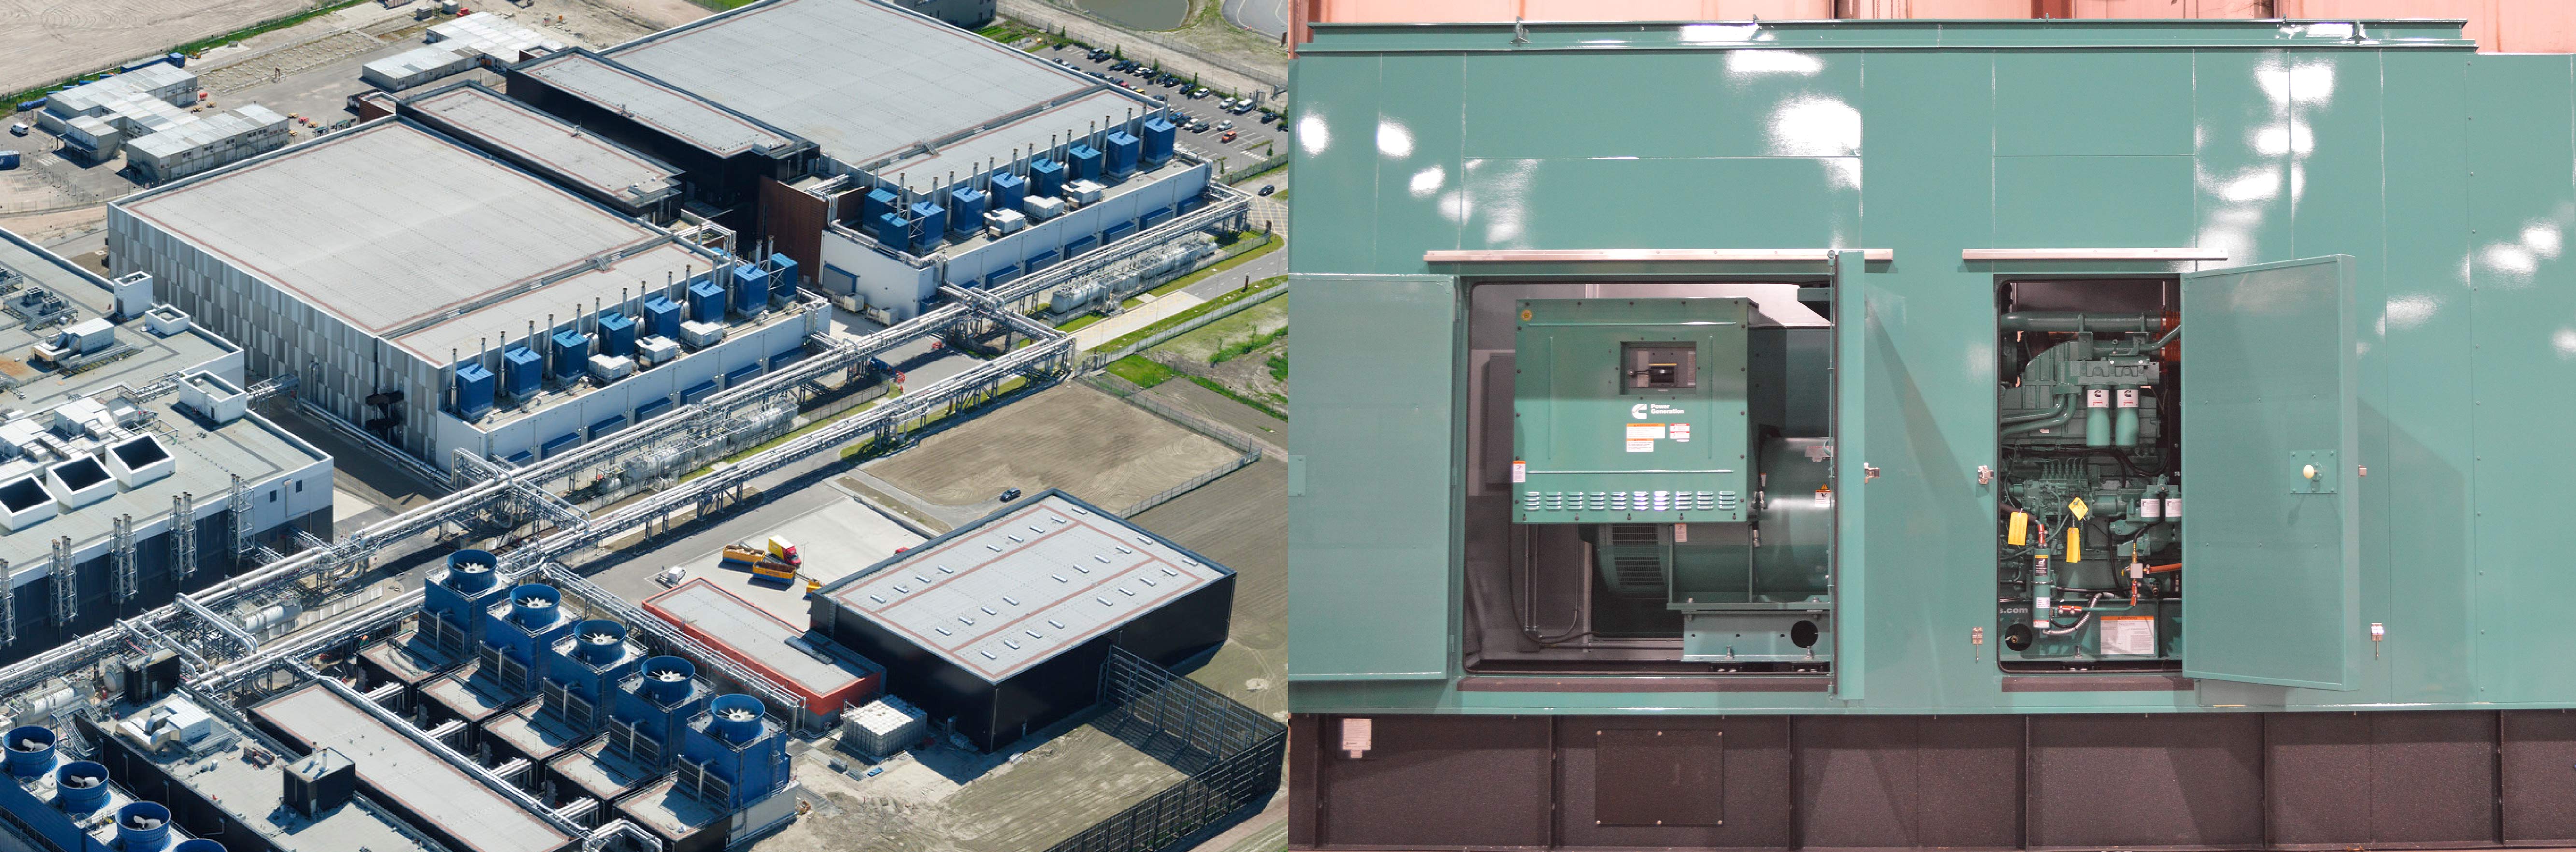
(824,704)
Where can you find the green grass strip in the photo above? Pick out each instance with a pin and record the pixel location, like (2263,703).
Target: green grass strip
(1141,371)
(1194,312)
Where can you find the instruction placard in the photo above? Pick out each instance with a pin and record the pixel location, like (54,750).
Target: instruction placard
(2128,635)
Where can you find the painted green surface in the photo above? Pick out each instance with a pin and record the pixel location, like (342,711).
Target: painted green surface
(2272,522)
(1583,428)
(2449,179)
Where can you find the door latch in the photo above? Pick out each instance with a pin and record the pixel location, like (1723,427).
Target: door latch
(2378,632)
(1985,475)
(1868,472)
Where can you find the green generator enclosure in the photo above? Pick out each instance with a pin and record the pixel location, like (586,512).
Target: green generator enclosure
(1631,410)
(1911,434)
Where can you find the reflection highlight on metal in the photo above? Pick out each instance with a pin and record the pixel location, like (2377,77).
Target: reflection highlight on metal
(1650,255)
(2154,254)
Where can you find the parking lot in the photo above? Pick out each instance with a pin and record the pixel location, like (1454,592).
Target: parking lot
(1254,138)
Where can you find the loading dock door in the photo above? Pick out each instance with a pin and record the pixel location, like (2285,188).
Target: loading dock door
(2270,448)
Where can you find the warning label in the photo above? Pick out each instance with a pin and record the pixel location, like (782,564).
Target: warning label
(2128,635)
(1641,446)
(1645,431)
(1680,432)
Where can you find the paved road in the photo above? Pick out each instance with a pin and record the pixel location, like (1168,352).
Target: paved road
(1267,17)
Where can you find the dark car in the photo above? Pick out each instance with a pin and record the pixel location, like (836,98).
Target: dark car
(1010,495)
(1267,188)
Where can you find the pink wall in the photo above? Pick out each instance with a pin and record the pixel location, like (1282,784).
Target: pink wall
(2500,26)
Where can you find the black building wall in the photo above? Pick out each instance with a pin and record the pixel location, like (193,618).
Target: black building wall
(732,183)
(95,581)
(994,715)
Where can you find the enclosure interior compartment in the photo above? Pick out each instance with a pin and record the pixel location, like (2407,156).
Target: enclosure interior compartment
(2088,489)
(1649,478)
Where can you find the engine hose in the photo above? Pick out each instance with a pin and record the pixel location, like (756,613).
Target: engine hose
(2080,622)
(2065,411)
(2064,403)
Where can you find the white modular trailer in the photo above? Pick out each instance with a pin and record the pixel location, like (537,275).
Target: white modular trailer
(414,67)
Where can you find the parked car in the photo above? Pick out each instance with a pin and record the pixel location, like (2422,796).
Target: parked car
(1227,124)
(1009,495)
(1268,188)
(1228,137)
(1241,107)
(1199,126)
(18,129)
(1199,92)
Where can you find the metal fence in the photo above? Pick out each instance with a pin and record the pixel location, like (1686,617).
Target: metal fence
(1232,754)
(1251,451)
(1100,360)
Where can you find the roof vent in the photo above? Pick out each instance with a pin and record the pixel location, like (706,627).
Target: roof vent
(140,461)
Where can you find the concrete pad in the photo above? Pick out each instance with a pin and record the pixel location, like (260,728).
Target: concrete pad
(1149,313)
(836,538)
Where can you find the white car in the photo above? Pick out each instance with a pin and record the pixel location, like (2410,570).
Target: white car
(672,576)
(1227,124)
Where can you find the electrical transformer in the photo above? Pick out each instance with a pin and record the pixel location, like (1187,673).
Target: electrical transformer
(1930,434)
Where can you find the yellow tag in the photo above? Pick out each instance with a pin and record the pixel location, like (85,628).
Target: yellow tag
(2018,531)
(1525,315)
(2077,506)
(2074,543)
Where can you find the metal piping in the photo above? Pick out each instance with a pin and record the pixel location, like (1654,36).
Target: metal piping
(2065,411)
(2067,321)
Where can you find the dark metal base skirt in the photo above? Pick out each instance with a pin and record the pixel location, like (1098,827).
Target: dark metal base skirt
(2387,780)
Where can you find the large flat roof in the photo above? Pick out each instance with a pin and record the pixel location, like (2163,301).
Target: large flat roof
(753,637)
(863,80)
(402,770)
(573,154)
(254,795)
(1022,585)
(403,232)
(685,116)
(88,293)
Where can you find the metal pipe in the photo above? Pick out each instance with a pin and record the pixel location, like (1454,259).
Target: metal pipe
(2065,411)
(2062,403)
(2143,323)
(2167,339)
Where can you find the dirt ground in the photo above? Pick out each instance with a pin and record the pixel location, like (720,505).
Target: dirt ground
(1007,803)
(1072,437)
(1241,521)
(47,40)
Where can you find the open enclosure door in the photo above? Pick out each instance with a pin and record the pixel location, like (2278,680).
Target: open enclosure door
(2271,563)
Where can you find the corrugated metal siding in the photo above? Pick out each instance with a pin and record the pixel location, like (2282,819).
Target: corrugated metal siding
(2500,26)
